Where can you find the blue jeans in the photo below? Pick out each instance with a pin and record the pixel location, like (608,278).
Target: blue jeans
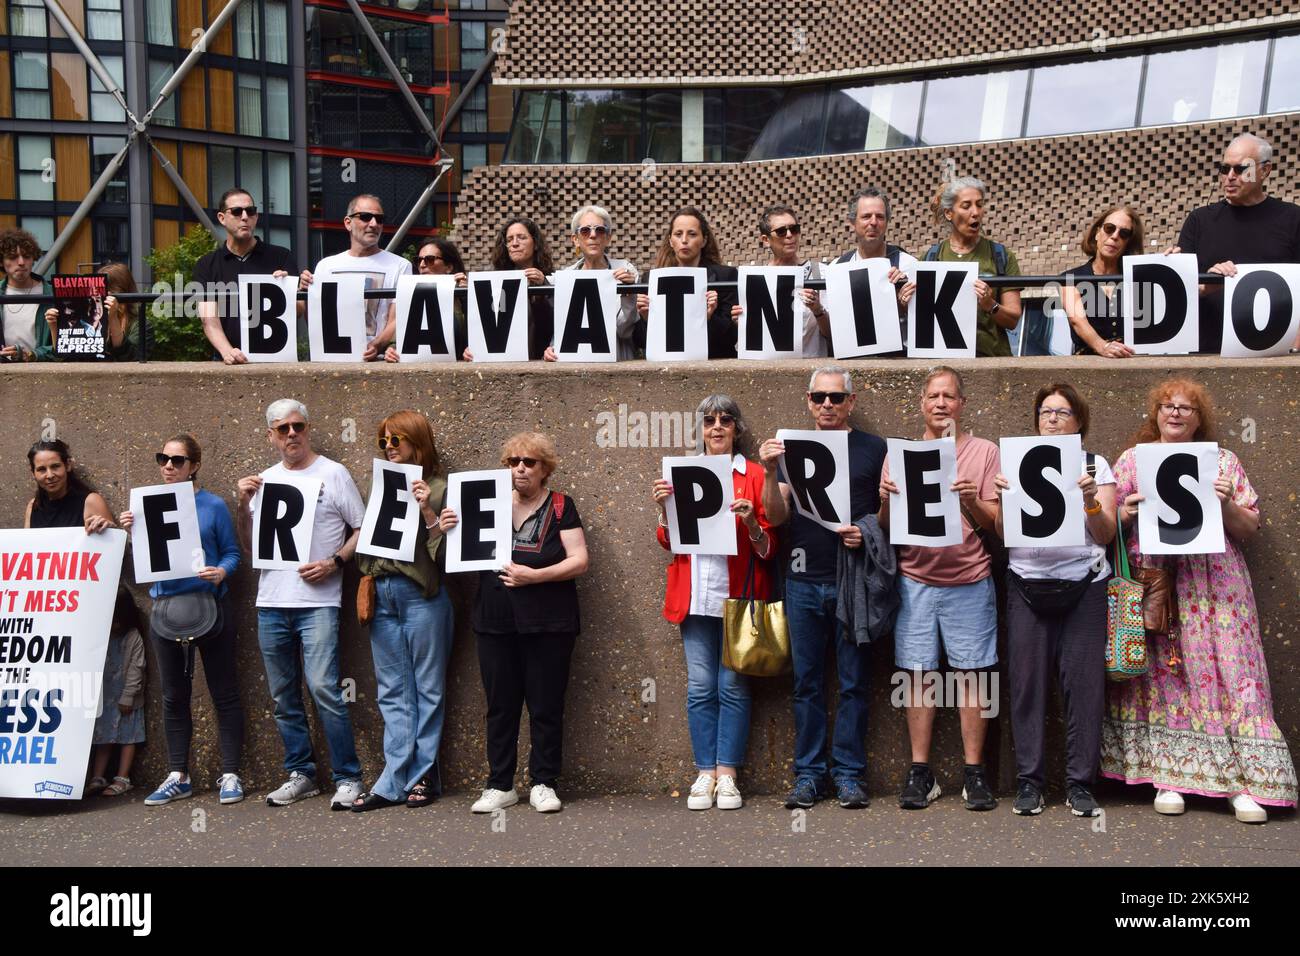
(717,698)
(810,613)
(298,642)
(410,640)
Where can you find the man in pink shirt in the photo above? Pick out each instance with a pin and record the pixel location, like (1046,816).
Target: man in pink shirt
(948,599)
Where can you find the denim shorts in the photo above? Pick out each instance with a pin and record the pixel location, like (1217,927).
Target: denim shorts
(964,617)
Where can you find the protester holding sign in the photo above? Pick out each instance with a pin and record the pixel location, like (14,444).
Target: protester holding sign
(717,698)
(411,631)
(178,462)
(1200,720)
(811,600)
(690,243)
(1093,310)
(1056,621)
(778,233)
(298,610)
(520,245)
(868,217)
(121,719)
(437,257)
(121,335)
(948,601)
(63,499)
(592,229)
(526,619)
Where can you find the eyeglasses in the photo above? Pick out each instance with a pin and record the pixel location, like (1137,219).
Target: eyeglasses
(514,460)
(1240,168)
(176,460)
(597,231)
(239,211)
(782,231)
(1169,408)
(1056,414)
(726,421)
(430,261)
(1109,228)
(819,398)
(393,441)
(296,427)
(367,216)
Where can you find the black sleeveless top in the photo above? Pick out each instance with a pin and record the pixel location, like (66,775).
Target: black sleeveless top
(68,512)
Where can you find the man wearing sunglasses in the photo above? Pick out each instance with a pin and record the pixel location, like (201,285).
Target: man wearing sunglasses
(218,272)
(811,597)
(365,225)
(298,611)
(1247,226)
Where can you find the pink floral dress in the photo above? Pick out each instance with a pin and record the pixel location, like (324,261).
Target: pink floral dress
(1201,719)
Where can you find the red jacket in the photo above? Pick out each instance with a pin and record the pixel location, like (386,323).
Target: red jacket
(677,596)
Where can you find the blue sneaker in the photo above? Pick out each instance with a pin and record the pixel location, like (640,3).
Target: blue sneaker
(850,794)
(232,791)
(803,796)
(170,789)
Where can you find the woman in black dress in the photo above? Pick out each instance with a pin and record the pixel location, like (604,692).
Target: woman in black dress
(63,499)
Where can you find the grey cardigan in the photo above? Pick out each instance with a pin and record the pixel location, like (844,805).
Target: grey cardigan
(867,599)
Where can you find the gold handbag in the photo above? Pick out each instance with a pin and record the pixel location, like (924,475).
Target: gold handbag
(756,639)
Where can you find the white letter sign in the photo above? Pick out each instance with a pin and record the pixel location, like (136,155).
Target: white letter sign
(483,538)
(926,511)
(165,532)
(700,520)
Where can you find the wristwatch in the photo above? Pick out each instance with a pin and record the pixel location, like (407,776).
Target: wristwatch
(338,562)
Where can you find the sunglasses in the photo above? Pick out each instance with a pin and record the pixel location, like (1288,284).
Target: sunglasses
(392,441)
(431,261)
(176,460)
(239,211)
(596,231)
(296,427)
(782,231)
(819,398)
(1240,168)
(726,421)
(1109,228)
(514,460)
(368,216)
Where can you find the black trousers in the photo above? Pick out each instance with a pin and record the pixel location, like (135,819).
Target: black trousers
(218,653)
(1072,649)
(519,669)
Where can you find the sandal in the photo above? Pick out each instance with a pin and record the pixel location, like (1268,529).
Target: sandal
(421,795)
(119,786)
(95,786)
(371,801)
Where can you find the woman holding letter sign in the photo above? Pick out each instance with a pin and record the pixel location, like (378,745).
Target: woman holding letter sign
(179,461)
(526,619)
(520,245)
(1201,720)
(592,229)
(717,698)
(1056,623)
(411,633)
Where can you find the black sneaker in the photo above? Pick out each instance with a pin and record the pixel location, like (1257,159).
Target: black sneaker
(1081,801)
(851,795)
(803,796)
(919,790)
(976,792)
(1029,801)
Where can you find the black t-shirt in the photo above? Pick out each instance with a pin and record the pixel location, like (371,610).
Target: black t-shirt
(1103,316)
(816,549)
(1268,231)
(223,266)
(548,608)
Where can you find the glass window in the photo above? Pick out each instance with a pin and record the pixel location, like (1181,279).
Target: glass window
(160,19)
(221,172)
(279,178)
(159,73)
(112,240)
(474,114)
(246,31)
(31,85)
(27,18)
(604,126)
(41,227)
(663,126)
(872,117)
(277,31)
(473,43)
(104,108)
(968,109)
(796,127)
(1083,96)
(1284,85)
(250,105)
(277,107)
(472,155)
(536,134)
(102,151)
(36,170)
(250,172)
(1188,86)
(280,237)
(747,112)
(104,19)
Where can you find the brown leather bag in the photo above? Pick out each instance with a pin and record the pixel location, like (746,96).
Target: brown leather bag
(365,600)
(1157,598)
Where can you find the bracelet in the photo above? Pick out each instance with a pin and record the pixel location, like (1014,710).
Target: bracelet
(759,538)
(1093,511)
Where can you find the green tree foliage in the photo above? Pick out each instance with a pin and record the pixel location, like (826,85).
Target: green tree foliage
(176,331)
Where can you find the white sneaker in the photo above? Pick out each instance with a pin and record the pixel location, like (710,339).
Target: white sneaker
(1247,810)
(299,786)
(495,800)
(344,796)
(544,800)
(1169,802)
(701,797)
(728,795)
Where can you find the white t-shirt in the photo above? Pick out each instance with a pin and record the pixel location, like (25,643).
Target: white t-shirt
(339,508)
(1066,564)
(20,320)
(381,271)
